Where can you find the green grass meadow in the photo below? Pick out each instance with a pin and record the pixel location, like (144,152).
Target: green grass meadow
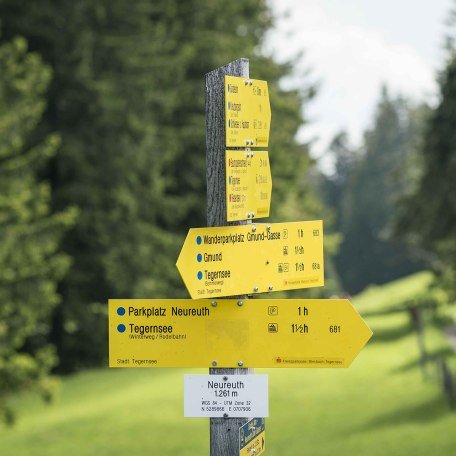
(381,405)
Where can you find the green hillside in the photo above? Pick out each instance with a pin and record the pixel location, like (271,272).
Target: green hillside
(379,406)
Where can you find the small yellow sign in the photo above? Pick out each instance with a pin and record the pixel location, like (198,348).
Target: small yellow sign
(246,259)
(247,112)
(252,437)
(248,184)
(229,333)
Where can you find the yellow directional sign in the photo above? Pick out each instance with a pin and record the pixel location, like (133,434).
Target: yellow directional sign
(247,112)
(231,333)
(234,260)
(248,184)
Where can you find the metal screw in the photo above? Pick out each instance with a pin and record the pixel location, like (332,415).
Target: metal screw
(252,142)
(239,303)
(251,154)
(268,228)
(247,141)
(255,289)
(213,304)
(253,214)
(225,378)
(225,415)
(253,228)
(214,363)
(240,363)
(270,287)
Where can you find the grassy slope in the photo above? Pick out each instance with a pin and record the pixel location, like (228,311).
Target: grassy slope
(379,406)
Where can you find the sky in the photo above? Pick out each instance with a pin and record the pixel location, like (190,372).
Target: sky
(351,48)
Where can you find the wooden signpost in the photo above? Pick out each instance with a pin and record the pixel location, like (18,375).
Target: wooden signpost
(224,432)
(230,259)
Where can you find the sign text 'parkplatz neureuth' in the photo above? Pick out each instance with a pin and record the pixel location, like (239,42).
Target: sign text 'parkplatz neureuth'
(232,333)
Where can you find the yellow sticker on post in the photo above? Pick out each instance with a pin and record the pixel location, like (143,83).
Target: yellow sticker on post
(247,112)
(248,184)
(252,437)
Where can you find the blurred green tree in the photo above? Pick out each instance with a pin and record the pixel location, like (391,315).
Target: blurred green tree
(364,192)
(127,98)
(428,216)
(30,261)
(333,186)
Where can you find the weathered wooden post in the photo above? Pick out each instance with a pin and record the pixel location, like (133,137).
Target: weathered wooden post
(224,432)
(215,140)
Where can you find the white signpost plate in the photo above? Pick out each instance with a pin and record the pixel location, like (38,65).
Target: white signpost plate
(233,396)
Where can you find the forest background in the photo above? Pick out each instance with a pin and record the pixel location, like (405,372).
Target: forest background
(102,171)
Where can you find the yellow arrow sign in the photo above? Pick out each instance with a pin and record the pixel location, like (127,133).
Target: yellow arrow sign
(223,333)
(247,112)
(234,260)
(248,184)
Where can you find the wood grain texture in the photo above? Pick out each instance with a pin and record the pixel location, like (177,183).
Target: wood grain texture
(224,432)
(215,140)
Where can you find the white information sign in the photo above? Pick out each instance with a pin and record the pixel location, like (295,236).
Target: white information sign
(233,396)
